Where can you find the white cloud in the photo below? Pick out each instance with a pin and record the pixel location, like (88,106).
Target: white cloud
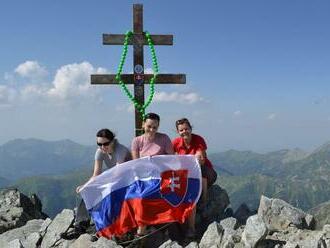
(126,107)
(31,69)
(237,113)
(32,91)
(7,95)
(73,80)
(271,116)
(148,71)
(184,98)
(71,83)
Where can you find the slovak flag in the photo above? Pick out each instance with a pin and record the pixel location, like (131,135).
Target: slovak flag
(145,191)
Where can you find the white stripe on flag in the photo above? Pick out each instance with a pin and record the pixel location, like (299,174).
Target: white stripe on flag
(139,169)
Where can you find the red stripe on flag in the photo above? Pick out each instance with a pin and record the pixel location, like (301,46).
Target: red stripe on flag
(137,212)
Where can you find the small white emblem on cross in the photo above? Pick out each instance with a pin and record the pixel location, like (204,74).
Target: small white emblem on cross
(174,182)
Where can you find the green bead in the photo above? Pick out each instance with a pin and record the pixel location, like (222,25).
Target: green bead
(140,108)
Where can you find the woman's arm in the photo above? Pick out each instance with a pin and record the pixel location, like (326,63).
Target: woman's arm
(97,168)
(135,154)
(201,156)
(97,171)
(135,148)
(168,146)
(128,156)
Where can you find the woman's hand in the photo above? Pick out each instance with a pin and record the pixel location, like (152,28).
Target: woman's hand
(79,188)
(200,157)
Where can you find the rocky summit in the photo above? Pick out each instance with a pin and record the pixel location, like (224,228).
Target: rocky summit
(275,224)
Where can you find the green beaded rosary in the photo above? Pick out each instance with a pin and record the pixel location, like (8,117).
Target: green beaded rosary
(141,108)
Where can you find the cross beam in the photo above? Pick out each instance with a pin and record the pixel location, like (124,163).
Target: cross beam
(138,79)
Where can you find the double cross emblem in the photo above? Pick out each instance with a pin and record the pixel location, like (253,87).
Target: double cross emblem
(174,182)
(173,186)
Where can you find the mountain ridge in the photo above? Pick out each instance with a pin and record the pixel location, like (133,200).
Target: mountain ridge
(21,158)
(302,180)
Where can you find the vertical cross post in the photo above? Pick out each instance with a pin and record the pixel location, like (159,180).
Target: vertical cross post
(139,79)
(138,60)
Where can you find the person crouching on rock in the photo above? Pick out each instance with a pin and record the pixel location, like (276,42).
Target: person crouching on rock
(190,143)
(109,152)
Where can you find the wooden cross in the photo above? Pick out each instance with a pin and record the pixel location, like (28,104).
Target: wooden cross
(138,40)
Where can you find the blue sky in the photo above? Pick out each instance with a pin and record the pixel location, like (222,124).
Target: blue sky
(258,72)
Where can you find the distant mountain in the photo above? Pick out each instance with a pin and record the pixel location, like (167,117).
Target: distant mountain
(4,182)
(55,192)
(247,162)
(32,157)
(300,178)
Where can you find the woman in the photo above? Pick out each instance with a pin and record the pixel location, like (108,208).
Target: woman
(149,144)
(109,151)
(190,143)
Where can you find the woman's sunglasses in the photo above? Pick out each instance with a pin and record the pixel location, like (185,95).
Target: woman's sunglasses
(103,144)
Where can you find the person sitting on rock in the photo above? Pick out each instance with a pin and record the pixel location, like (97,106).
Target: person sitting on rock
(190,143)
(109,151)
(150,143)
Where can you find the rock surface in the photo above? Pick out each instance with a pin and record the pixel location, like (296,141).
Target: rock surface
(277,224)
(255,230)
(16,209)
(321,214)
(279,215)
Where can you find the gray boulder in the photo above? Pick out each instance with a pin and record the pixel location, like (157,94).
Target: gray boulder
(279,215)
(302,238)
(16,209)
(44,226)
(321,214)
(16,243)
(192,245)
(170,244)
(229,223)
(84,241)
(104,243)
(255,230)
(32,240)
(22,233)
(58,226)
(212,237)
(230,235)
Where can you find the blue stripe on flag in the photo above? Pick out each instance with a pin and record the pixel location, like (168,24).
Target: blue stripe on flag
(106,212)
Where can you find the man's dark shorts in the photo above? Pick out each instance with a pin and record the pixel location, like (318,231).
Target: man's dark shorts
(210,174)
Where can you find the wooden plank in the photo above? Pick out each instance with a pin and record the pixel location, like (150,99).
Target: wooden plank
(129,79)
(138,59)
(118,39)
(138,18)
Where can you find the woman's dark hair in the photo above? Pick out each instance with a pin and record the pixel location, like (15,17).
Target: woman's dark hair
(152,116)
(182,121)
(105,133)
